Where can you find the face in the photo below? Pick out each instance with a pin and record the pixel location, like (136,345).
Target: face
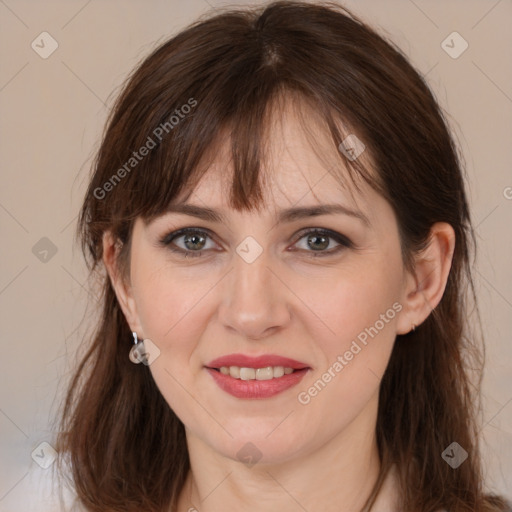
(323,290)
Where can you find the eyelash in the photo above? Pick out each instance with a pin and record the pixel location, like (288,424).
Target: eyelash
(344,242)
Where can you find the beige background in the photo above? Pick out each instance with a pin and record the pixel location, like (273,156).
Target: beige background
(53,112)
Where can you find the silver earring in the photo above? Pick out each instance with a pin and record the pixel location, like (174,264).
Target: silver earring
(137,352)
(413,327)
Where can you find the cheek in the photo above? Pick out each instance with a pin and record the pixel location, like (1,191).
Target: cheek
(361,313)
(171,309)
(360,295)
(167,300)
(354,351)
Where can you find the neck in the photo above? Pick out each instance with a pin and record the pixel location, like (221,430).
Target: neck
(337,476)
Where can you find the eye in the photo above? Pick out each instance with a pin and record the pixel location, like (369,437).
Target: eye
(194,241)
(319,239)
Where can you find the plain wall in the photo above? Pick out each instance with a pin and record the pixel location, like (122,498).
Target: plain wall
(52,116)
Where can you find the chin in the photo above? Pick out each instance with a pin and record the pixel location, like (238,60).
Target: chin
(259,448)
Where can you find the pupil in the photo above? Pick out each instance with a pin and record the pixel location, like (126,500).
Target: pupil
(316,237)
(194,239)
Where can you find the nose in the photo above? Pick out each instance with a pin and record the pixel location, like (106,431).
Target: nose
(255,301)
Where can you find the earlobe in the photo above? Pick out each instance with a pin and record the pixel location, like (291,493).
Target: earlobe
(424,289)
(122,289)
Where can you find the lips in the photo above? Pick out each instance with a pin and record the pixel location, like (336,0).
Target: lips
(245,361)
(260,377)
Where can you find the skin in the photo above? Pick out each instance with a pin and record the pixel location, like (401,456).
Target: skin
(322,455)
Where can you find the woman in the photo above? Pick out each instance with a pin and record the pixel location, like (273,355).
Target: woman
(281,213)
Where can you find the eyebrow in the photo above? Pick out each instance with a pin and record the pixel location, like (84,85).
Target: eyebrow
(287,215)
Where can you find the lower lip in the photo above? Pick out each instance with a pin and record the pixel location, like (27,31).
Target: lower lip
(256,388)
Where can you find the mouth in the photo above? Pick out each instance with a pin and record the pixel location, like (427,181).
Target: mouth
(256,377)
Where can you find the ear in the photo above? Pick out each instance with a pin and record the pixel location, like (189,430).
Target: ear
(120,283)
(425,287)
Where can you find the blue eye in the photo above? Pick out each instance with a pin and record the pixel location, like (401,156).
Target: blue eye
(195,240)
(192,237)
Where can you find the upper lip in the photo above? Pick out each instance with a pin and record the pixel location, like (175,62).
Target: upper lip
(245,361)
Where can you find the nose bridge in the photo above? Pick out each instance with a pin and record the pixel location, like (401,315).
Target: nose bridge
(255,300)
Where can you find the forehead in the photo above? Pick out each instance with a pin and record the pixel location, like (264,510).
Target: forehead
(300,165)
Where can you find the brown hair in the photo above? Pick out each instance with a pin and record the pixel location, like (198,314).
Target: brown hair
(126,447)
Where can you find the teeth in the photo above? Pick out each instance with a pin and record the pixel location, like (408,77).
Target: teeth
(267,373)
(247,373)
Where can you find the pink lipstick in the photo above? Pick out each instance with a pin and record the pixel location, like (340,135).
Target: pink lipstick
(259,377)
